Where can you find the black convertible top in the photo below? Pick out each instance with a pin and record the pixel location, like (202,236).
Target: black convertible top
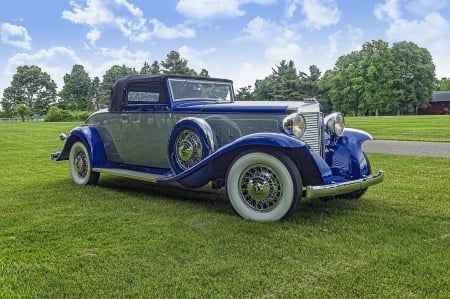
(118,89)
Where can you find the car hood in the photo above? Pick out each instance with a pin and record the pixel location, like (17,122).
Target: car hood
(272,107)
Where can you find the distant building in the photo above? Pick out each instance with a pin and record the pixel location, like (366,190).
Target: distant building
(440,103)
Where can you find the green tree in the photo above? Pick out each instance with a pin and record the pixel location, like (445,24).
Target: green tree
(382,79)
(146,68)
(309,84)
(346,83)
(31,87)
(244,93)
(286,81)
(75,93)
(377,66)
(23,111)
(109,78)
(175,64)
(155,69)
(94,93)
(443,84)
(264,89)
(204,73)
(415,76)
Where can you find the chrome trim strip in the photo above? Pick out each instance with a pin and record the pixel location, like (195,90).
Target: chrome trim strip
(342,188)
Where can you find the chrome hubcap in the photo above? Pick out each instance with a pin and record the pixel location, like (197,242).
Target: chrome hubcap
(80,164)
(188,148)
(260,188)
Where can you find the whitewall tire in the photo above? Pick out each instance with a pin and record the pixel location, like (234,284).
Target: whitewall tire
(263,186)
(81,165)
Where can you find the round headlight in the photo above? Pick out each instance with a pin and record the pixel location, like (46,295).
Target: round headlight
(335,123)
(294,124)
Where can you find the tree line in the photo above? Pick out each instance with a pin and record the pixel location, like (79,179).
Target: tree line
(377,79)
(33,92)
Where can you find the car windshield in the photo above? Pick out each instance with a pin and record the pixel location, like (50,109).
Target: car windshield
(183,89)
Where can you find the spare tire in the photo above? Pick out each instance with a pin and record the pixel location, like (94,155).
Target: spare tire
(190,142)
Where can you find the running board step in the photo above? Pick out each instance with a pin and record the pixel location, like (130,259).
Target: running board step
(143,176)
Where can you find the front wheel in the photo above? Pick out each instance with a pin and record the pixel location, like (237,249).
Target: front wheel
(81,166)
(263,186)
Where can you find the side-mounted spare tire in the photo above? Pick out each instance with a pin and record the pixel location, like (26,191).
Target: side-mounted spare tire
(190,141)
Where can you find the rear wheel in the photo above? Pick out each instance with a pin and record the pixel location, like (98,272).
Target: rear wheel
(263,186)
(81,166)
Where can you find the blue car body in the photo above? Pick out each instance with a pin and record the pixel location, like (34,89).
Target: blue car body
(188,130)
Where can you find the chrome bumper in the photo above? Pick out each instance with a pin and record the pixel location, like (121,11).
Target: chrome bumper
(342,188)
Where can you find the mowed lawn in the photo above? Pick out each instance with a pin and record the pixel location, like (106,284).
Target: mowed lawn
(412,127)
(128,239)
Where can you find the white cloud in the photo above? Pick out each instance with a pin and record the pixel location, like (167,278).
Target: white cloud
(207,9)
(258,29)
(424,7)
(389,10)
(197,58)
(16,36)
(429,29)
(160,30)
(284,46)
(107,57)
(204,9)
(318,13)
(56,61)
(281,41)
(127,18)
(333,44)
(247,73)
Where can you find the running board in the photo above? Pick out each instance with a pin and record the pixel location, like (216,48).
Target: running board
(143,176)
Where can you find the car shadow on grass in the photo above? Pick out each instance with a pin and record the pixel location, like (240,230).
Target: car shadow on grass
(310,211)
(216,200)
(206,196)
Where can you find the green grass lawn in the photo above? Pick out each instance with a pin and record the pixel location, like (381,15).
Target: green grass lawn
(415,127)
(124,238)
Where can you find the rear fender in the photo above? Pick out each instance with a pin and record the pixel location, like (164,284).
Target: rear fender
(90,137)
(346,157)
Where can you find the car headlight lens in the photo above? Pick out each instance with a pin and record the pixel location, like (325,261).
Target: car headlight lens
(335,123)
(294,124)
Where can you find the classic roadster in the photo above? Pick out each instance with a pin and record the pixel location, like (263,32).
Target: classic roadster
(191,130)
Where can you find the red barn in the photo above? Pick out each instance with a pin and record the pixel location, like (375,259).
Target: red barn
(440,103)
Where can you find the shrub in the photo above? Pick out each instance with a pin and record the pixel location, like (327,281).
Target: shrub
(58,114)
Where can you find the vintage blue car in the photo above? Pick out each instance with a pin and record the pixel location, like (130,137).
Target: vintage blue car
(190,130)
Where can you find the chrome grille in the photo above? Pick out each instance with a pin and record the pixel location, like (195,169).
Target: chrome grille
(313,134)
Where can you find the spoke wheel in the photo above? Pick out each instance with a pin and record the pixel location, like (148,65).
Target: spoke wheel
(263,186)
(81,166)
(188,149)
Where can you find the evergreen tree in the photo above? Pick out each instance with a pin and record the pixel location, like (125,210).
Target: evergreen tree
(175,64)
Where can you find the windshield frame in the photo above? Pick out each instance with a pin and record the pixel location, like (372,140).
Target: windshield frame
(185,89)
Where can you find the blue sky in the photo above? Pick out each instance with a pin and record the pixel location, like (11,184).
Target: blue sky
(236,39)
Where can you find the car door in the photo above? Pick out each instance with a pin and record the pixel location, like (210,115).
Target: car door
(146,124)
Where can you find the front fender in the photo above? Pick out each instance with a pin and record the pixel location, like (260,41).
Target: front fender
(346,157)
(215,166)
(90,137)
